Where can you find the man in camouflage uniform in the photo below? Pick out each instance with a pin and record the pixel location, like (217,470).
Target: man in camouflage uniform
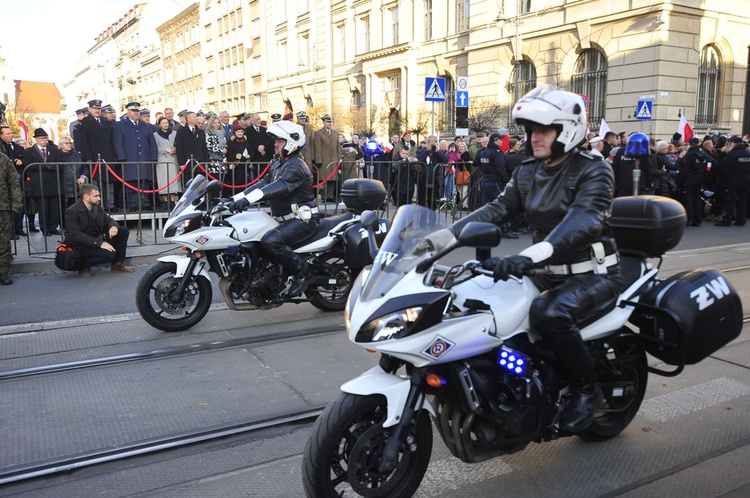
(10,202)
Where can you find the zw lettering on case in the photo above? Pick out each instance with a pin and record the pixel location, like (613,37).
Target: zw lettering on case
(384,257)
(382,228)
(704,295)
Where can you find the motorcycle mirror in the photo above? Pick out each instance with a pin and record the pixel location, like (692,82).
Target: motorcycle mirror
(368,219)
(213,187)
(480,234)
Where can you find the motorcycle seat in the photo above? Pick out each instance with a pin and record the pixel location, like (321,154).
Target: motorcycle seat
(631,269)
(325,226)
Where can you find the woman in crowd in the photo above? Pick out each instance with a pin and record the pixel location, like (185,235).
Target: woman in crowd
(216,143)
(238,158)
(72,171)
(166,166)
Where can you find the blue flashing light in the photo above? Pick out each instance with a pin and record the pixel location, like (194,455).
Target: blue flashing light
(512,361)
(372,147)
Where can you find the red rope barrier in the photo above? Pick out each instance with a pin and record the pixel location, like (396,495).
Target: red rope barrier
(142,191)
(253,182)
(335,170)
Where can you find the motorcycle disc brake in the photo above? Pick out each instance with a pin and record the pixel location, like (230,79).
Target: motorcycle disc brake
(364,477)
(163,292)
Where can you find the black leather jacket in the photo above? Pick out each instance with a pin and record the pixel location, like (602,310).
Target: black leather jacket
(290,182)
(568,206)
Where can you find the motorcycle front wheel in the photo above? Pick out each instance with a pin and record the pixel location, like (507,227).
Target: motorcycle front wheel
(345,446)
(153,299)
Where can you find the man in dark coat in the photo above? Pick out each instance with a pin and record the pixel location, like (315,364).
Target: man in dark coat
(94,140)
(733,180)
(261,146)
(45,180)
(691,170)
(136,147)
(99,237)
(190,143)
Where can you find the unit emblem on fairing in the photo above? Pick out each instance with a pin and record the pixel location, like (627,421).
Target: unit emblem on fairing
(438,347)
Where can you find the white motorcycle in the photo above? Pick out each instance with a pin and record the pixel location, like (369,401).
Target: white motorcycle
(456,348)
(176,292)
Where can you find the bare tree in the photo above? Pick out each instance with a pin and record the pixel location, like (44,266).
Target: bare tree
(486,115)
(418,123)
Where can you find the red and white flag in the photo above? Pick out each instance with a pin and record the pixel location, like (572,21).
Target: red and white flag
(684,129)
(24,132)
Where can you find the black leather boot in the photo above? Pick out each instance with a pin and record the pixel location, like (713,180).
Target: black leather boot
(301,281)
(579,412)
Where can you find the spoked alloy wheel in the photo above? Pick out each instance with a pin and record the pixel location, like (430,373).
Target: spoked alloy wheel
(346,443)
(623,394)
(155,304)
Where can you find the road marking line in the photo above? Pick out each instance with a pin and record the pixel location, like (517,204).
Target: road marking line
(675,404)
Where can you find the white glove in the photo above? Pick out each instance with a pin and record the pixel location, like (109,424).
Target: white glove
(253,196)
(539,252)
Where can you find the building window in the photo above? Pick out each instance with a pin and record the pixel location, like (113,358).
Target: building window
(363,41)
(304,50)
(447,109)
(707,96)
(427,20)
(356,99)
(339,43)
(462,16)
(394,25)
(280,8)
(256,65)
(283,59)
(255,28)
(522,80)
(590,79)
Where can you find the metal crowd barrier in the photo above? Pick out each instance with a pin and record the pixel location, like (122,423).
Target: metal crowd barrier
(135,196)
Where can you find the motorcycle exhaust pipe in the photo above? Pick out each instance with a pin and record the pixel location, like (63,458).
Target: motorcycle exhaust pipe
(224,284)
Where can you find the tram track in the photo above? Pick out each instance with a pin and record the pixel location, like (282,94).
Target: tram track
(140,448)
(184,350)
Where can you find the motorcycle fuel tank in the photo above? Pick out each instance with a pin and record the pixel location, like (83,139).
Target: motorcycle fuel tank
(252,225)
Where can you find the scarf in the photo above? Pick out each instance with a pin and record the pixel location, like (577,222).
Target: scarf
(164,134)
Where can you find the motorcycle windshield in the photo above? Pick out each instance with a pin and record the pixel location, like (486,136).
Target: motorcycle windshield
(195,190)
(407,243)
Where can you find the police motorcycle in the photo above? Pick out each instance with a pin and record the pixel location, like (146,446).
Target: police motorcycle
(455,348)
(176,292)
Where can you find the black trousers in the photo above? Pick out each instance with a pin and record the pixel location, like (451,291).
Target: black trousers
(691,200)
(566,304)
(278,242)
(49,211)
(735,205)
(97,256)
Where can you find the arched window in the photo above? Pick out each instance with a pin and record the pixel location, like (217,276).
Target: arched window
(522,80)
(356,99)
(590,79)
(707,95)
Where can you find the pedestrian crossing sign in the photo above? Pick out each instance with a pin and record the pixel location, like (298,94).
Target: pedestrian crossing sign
(434,90)
(644,109)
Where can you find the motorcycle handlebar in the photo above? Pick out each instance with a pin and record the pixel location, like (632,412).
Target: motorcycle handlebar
(477,269)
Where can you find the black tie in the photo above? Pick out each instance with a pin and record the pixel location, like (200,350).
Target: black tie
(44,154)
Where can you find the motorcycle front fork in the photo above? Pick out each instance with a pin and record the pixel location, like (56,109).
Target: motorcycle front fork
(179,291)
(400,431)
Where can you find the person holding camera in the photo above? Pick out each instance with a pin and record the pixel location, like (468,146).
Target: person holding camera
(100,239)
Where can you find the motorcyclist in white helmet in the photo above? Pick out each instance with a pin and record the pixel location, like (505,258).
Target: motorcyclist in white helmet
(288,188)
(566,194)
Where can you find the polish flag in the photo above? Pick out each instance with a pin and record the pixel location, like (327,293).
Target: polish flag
(24,132)
(684,129)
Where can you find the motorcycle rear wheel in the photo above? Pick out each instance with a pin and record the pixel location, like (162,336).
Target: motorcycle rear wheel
(333,296)
(629,358)
(152,294)
(346,441)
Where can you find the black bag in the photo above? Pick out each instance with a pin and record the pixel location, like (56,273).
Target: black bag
(68,258)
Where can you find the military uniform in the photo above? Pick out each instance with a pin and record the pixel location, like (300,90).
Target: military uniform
(10,202)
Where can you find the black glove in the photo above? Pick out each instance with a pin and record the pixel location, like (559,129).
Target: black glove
(238,205)
(503,269)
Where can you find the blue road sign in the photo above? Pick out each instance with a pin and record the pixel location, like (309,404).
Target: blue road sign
(434,89)
(644,109)
(462,99)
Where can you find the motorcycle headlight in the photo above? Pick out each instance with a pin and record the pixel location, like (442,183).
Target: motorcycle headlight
(184,225)
(394,325)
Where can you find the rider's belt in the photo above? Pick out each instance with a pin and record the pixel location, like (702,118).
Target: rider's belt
(584,266)
(292,216)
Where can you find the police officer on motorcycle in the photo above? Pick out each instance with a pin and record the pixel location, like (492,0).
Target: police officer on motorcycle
(566,195)
(289,191)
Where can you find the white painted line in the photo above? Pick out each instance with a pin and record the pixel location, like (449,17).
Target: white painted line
(675,404)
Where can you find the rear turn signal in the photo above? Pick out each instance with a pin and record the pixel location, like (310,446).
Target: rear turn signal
(435,381)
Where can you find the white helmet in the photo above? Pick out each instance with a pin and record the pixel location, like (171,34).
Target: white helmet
(294,135)
(549,105)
